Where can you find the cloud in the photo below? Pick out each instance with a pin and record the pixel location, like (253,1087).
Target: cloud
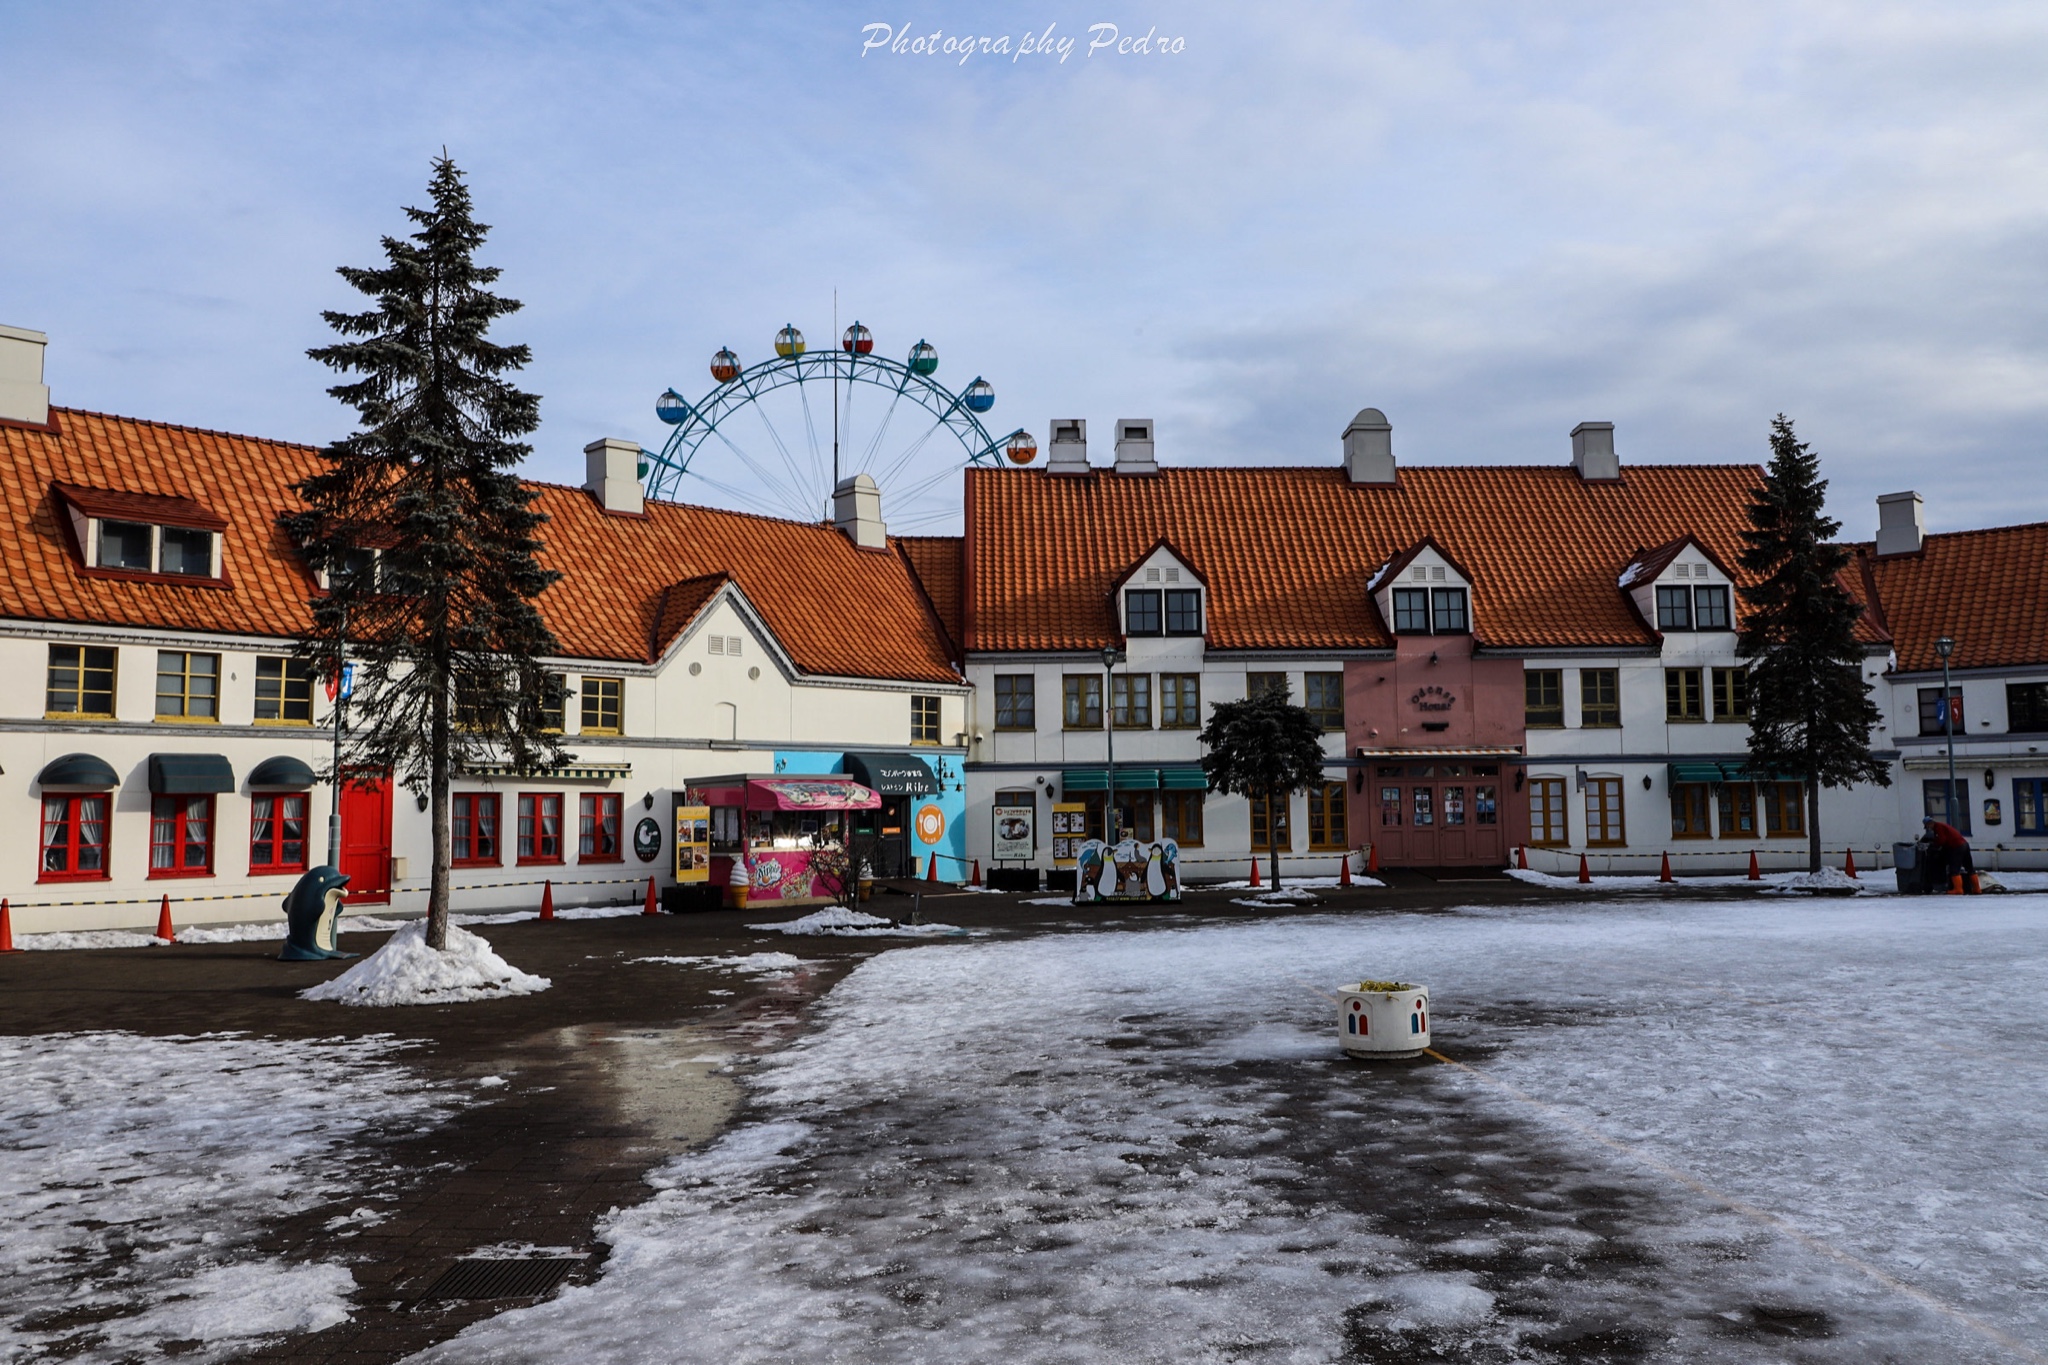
(1492,220)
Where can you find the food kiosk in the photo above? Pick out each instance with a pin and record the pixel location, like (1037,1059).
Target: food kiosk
(777,836)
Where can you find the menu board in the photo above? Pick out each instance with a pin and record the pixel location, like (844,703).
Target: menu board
(1069,832)
(1014,839)
(693,843)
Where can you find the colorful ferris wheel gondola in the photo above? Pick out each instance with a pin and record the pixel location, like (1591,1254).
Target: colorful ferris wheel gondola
(858,341)
(924,358)
(725,366)
(789,342)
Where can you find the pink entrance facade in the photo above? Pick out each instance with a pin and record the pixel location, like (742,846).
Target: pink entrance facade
(1436,740)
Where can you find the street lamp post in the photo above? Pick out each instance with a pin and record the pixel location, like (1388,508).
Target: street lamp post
(339,719)
(1946,646)
(1111,657)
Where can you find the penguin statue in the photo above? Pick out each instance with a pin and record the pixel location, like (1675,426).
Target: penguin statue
(313,910)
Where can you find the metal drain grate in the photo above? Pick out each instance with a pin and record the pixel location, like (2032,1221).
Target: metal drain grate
(501,1278)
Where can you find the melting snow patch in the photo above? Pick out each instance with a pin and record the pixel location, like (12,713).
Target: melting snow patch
(1273,899)
(138,1173)
(405,971)
(839,922)
(1292,883)
(753,964)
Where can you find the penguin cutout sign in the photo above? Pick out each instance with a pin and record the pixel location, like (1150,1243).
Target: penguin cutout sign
(312,913)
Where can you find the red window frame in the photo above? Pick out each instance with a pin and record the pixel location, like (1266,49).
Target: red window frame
(271,818)
(474,814)
(174,816)
(70,827)
(601,814)
(536,810)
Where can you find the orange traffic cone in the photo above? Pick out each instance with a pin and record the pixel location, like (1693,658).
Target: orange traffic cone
(975,880)
(1664,875)
(1849,864)
(164,929)
(1255,874)
(1585,873)
(6,929)
(1344,870)
(931,867)
(1755,874)
(1521,857)
(1372,860)
(547,899)
(650,908)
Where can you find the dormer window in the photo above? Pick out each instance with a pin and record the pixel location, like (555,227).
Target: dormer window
(145,533)
(1431,611)
(1695,607)
(1143,612)
(1168,611)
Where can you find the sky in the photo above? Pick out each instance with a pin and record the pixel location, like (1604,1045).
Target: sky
(1490,220)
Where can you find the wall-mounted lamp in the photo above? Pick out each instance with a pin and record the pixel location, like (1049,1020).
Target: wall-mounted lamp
(1432,656)
(1990,779)
(1646,782)
(647,801)
(1520,774)
(1357,780)
(421,799)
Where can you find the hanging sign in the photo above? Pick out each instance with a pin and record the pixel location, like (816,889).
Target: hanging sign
(693,844)
(931,824)
(1014,839)
(1069,832)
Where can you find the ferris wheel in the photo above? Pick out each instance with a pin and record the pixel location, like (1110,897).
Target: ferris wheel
(778,436)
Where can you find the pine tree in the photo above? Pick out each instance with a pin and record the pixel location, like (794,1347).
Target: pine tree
(427,538)
(1263,746)
(1810,710)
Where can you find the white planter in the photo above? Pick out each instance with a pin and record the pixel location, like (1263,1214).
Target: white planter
(1383,1019)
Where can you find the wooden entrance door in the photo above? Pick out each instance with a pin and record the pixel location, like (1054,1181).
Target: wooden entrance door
(1437,814)
(366,837)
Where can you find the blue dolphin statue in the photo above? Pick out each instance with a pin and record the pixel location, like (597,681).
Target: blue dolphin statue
(313,910)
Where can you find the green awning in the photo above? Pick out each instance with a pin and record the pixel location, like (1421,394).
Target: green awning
(1097,779)
(1184,779)
(282,771)
(1735,771)
(190,774)
(78,770)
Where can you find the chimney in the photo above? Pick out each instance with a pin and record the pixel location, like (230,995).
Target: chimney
(1134,446)
(857,511)
(1369,448)
(23,395)
(1593,452)
(612,474)
(1069,446)
(1900,528)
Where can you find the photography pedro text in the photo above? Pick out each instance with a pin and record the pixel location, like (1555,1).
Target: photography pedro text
(1105,38)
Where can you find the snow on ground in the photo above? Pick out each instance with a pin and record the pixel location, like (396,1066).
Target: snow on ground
(839,922)
(1291,896)
(405,971)
(1870,883)
(752,964)
(1142,1146)
(137,1172)
(1287,883)
(255,932)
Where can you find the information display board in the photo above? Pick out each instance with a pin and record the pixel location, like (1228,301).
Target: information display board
(693,844)
(1014,840)
(1069,832)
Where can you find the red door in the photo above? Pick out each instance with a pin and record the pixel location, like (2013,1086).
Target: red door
(366,838)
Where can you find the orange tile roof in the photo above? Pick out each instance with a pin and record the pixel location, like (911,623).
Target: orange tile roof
(1984,589)
(678,606)
(936,562)
(836,609)
(1288,552)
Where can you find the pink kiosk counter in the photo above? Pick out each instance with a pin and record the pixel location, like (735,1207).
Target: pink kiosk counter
(766,830)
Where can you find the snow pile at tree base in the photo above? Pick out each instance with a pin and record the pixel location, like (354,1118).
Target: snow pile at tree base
(1827,879)
(837,921)
(405,971)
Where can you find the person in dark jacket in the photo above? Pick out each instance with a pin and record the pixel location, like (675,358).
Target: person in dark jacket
(1950,845)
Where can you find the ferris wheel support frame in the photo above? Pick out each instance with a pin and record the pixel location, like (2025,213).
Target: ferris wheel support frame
(700,421)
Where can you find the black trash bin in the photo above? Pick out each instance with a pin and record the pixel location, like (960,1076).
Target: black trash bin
(1906,867)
